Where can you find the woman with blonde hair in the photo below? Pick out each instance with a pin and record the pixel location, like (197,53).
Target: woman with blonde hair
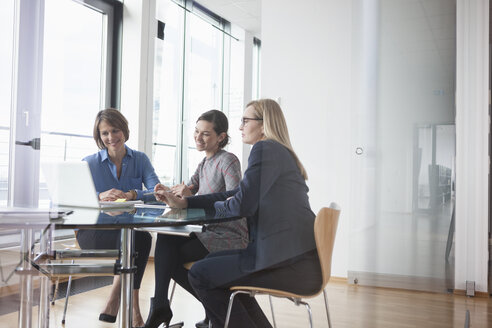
(281,253)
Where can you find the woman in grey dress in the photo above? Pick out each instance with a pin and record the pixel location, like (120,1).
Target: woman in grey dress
(219,171)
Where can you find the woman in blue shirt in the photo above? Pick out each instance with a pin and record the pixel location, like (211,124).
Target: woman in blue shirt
(118,173)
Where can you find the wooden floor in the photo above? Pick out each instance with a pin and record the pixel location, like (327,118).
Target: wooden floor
(350,306)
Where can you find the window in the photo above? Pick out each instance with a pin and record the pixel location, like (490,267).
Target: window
(192,75)
(63,57)
(203,82)
(80,58)
(234,95)
(168,93)
(73,79)
(6,63)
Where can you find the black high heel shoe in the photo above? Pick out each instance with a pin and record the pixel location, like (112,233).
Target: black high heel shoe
(203,323)
(158,314)
(107,317)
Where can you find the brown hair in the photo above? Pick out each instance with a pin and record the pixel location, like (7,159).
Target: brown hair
(274,126)
(220,122)
(114,118)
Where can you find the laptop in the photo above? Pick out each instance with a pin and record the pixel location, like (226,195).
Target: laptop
(70,184)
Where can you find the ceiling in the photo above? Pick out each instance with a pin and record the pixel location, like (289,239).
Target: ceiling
(417,25)
(244,13)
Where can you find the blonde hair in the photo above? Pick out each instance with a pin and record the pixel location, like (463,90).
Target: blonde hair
(274,126)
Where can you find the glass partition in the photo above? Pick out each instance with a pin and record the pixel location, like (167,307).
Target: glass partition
(404,144)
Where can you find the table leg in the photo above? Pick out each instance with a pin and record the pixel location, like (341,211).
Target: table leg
(26,290)
(126,278)
(44,287)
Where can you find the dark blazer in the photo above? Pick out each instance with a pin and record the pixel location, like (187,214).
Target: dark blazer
(273,197)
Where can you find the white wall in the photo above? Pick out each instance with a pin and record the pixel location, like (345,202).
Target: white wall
(306,63)
(472,128)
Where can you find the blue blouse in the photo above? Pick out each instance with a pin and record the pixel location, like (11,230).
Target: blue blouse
(136,170)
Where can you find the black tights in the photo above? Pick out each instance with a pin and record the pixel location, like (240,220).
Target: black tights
(171,252)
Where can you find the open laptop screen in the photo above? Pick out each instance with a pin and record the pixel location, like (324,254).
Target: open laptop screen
(70,184)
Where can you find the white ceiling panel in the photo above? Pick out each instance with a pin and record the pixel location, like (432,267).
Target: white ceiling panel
(244,13)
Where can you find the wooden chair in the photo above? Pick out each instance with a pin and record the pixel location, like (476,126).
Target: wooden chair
(325,227)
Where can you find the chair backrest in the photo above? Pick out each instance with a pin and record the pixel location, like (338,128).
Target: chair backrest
(325,228)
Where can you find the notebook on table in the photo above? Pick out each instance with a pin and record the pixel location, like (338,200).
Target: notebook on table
(70,184)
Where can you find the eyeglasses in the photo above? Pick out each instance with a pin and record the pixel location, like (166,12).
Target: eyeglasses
(245,120)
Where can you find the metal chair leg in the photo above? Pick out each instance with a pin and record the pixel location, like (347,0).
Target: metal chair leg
(326,307)
(178,324)
(172,293)
(55,291)
(67,295)
(271,308)
(229,308)
(309,312)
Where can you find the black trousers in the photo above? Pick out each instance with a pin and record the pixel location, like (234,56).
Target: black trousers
(111,239)
(171,252)
(212,277)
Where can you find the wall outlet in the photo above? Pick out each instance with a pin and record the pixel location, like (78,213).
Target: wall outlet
(470,288)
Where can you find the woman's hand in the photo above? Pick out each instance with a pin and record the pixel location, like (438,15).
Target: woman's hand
(182,190)
(131,195)
(111,195)
(164,194)
(160,186)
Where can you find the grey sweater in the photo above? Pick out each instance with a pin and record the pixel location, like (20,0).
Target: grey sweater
(220,173)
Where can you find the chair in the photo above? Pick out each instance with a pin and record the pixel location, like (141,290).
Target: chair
(325,227)
(73,251)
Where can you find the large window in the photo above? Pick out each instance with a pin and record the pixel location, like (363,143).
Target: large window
(234,95)
(192,75)
(80,56)
(59,61)
(6,63)
(73,76)
(168,91)
(203,82)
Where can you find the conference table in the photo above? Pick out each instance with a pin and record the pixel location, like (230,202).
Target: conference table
(29,221)
(124,219)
